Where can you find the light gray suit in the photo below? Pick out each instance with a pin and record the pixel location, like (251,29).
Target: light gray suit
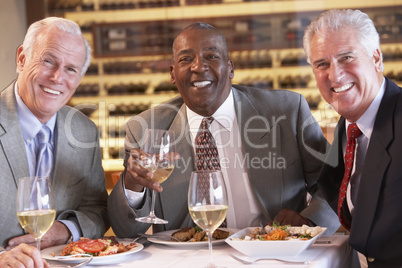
(78,180)
(271,126)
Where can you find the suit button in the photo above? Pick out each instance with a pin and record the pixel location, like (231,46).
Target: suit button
(370,259)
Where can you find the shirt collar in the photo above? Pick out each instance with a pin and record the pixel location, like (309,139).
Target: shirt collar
(225,115)
(366,121)
(30,125)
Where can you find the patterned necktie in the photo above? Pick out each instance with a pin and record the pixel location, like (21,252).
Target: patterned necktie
(44,156)
(206,153)
(353,133)
(207,157)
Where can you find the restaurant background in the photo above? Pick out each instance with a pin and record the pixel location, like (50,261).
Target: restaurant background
(131,42)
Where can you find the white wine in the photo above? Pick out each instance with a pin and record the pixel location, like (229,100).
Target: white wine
(208,217)
(161,174)
(37,222)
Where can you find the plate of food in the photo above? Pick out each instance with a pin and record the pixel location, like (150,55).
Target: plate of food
(104,251)
(190,237)
(274,241)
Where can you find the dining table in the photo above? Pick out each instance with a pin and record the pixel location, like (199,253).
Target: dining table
(328,251)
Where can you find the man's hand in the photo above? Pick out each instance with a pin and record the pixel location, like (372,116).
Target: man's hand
(22,256)
(57,234)
(138,177)
(291,217)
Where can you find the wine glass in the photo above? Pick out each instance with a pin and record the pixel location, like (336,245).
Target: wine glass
(36,206)
(207,203)
(159,146)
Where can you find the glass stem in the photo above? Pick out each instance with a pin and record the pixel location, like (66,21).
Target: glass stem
(211,257)
(38,243)
(152,212)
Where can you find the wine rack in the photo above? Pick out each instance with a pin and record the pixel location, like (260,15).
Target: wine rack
(131,41)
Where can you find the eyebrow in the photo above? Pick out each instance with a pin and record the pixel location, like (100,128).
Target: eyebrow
(338,55)
(346,53)
(69,65)
(186,51)
(318,61)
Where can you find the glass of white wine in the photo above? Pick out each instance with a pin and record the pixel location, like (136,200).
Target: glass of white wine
(36,206)
(159,148)
(208,203)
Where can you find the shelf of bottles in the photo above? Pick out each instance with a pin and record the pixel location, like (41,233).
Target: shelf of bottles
(132,54)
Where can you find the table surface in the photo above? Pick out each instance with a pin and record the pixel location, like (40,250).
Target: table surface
(337,253)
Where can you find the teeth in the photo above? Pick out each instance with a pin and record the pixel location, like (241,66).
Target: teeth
(202,84)
(51,91)
(343,88)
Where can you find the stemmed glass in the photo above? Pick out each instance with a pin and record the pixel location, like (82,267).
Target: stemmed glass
(208,203)
(159,146)
(36,206)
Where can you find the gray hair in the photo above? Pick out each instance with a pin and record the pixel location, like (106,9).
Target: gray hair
(335,20)
(64,25)
(206,27)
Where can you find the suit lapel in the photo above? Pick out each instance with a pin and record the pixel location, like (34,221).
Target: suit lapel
(376,163)
(64,158)
(182,172)
(333,168)
(181,129)
(256,134)
(11,136)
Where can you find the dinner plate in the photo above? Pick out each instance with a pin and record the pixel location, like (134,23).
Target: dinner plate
(52,253)
(269,249)
(158,240)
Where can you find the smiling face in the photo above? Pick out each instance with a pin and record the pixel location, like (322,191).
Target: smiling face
(201,70)
(48,80)
(346,76)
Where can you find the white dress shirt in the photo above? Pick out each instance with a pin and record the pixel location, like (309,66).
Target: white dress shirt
(30,126)
(366,126)
(225,131)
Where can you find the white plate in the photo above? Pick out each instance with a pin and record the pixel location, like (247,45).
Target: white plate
(52,253)
(269,249)
(188,244)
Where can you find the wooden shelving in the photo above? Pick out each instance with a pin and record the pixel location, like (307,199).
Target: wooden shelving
(233,17)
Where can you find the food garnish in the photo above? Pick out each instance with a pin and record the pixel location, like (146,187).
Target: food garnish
(285,232)
(96,247)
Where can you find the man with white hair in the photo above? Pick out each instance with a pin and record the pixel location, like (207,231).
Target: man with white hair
(51,63)
(362,175)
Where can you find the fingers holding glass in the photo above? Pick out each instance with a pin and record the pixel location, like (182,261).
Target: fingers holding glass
(158,157)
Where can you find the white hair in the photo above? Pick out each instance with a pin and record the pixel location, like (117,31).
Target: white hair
(335,20)
(64,25)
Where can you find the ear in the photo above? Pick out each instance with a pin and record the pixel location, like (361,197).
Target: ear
(377,60)
(172,76)
(20,58)
(231,69)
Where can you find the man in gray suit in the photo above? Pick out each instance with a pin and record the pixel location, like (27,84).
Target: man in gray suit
(267,143)
(51,63)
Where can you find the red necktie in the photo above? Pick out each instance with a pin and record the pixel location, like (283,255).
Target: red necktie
(353,133)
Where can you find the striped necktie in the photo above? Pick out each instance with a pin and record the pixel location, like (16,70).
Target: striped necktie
(44,156)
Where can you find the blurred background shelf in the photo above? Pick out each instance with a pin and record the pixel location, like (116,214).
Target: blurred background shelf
(131,42)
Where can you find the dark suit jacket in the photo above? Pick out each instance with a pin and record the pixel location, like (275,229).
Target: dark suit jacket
(78,180)
(279,126)
(376,229)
